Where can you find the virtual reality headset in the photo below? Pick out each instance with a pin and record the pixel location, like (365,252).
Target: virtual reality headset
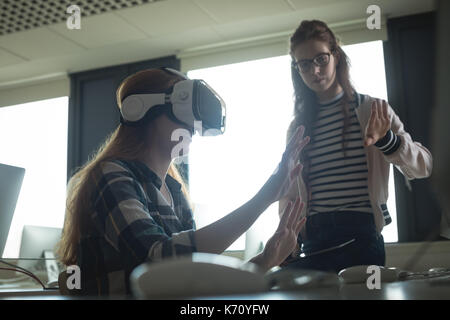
(190,102)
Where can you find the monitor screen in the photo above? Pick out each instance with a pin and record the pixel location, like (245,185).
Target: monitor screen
(11,179)
(36,240)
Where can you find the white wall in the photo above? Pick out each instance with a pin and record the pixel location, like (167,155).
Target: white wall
(34,90)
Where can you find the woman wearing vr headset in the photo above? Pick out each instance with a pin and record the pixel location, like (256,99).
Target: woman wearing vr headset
(354,139)
(128,205)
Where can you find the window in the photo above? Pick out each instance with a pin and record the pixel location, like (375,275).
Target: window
(369,77)
(34,136)
(228,170)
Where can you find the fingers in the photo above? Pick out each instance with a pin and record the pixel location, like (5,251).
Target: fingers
(296,137)
(369,141)
(300,225)
(300,147)
(378,122)
(378,112)
(294,214)
(297,141)
(287,185)
(285,216)
(385,110)
(289,211)
(372,119)
(294,151)
(286,212)
(387,120)
(380,108)
(291,216)
(284,222)
(300,221)
(296,171)
(374,112)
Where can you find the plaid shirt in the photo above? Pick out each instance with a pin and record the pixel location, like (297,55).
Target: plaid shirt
(130,223)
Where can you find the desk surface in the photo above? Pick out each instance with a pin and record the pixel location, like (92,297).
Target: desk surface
(22,293)
(431,289)
(400,290)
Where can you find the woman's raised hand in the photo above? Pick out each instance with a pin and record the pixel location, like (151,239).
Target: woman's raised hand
(378,124)
(288,169)
(284,240)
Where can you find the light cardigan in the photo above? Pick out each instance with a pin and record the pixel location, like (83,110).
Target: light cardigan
(411,158)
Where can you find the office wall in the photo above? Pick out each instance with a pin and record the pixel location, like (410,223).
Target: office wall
(38,89)
(271,45)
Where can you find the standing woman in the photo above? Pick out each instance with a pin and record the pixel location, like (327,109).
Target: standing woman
(353,140)
(128,205)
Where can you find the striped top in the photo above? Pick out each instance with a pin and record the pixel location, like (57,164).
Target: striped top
(337,180)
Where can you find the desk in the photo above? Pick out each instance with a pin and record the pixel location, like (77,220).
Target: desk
(400,290)
(21,293)
(430,289)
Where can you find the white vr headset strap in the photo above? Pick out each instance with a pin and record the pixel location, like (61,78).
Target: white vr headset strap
(181,100)
(135,107)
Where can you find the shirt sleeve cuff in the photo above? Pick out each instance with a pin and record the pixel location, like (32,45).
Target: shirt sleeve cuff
(389,143)
(184,242)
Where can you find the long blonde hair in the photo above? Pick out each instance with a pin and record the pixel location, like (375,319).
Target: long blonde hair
(126,143)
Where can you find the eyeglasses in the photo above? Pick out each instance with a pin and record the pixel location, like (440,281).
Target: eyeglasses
(305,65)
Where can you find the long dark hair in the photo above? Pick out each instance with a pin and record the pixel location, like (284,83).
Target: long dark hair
(306,107)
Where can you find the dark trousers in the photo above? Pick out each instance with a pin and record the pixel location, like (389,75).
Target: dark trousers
(325,230)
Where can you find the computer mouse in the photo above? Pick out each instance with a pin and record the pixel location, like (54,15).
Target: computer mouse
(360,274)
(295,279)
(438,270)
(199,274)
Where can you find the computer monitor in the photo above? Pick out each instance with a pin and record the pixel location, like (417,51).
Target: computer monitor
(11,179)
(36,240)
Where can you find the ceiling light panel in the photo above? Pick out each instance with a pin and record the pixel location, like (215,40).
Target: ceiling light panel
(20,15)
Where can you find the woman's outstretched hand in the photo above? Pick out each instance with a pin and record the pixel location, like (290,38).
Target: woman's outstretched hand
(218,236)
(284,240)
(378,124)
(287,171)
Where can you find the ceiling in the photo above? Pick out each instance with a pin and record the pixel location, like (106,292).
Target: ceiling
(140,30)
